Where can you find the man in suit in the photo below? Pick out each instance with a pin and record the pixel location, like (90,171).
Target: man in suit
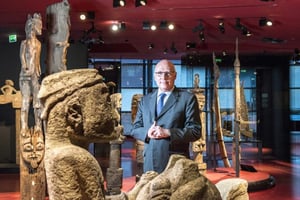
(172,129)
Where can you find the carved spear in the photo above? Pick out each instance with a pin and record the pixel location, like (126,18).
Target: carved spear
(218,114)
(236,154)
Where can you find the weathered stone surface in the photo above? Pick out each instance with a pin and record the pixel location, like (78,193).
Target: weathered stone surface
(233,189)
(180,180)
(77,111)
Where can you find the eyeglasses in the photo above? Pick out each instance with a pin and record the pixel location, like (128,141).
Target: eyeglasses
(162,74)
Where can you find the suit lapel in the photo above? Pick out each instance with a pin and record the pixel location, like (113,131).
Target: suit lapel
(170,102)
(152,104)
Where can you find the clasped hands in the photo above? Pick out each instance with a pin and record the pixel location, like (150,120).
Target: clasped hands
(157,132)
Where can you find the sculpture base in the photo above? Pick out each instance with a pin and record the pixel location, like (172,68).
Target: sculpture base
(120,196)
(256,180)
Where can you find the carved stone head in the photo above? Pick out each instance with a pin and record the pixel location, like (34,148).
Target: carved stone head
(78,102)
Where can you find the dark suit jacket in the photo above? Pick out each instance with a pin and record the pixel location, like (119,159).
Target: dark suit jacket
(180,114)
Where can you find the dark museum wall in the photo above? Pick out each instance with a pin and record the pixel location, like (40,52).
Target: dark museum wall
(77,57)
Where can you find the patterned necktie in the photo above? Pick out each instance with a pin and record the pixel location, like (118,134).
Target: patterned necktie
(160,103)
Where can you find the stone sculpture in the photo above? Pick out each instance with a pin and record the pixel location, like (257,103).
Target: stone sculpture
(58,28)
(233,188)
(77,111)
(180,180)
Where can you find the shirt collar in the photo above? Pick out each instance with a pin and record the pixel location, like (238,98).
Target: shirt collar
(167,93)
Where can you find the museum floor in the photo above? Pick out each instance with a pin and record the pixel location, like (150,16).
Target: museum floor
(286,175)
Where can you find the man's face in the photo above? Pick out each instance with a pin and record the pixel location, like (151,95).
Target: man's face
(165,75)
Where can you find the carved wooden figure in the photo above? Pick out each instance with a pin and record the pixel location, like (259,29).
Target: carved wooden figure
(199,146)
(136,98)
(58,28)
(219,129)
(32,175)
(30,51)
(11,95)
(32,171)
(114,175)
(236,149)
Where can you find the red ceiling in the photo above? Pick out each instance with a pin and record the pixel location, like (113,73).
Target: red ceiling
(185,14)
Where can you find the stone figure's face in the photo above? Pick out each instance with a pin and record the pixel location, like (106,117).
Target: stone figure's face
(32,150)
(98,120)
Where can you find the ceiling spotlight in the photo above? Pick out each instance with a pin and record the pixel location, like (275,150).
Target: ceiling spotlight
(100,39)
(119,3)
(171,26)
(200,27)
(151,46)
(165,50)
(173,48)
(122,26)
(221,26)
(153,27)
(118,26)
(246,32)
(82,16)
(146,25)
(263,21)
(140,3)
(238,23)
(201,36)
(163,25)
(87,15)
(190,45)
(114,27)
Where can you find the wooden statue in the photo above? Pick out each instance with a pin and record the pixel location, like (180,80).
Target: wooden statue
(30,51)
(32,175)
(32,171)
(114,172)
(199,146)
(11,95)
(58,28)
(139,145)
(219,130)
(236,149)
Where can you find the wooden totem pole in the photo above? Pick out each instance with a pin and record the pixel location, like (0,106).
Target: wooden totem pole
(218,114)
(32,172)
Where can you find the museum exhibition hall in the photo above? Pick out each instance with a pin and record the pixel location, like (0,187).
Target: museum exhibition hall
(74,73)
